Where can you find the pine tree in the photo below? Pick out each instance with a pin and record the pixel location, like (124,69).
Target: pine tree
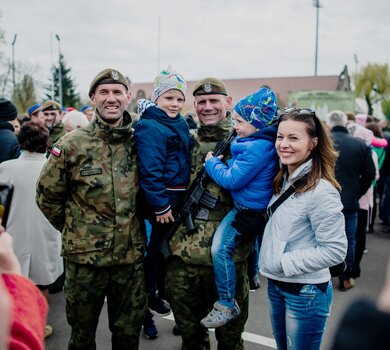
(70,97)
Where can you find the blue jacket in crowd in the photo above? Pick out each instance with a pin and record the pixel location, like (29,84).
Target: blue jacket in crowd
(9,148)
(250,171)
(164,149)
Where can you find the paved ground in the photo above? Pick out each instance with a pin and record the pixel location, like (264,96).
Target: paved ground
(258,333)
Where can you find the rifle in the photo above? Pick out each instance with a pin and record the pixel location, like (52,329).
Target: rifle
(197,195)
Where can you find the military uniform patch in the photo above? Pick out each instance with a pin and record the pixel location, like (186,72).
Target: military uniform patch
(202,214)
(91,171)
(56,151)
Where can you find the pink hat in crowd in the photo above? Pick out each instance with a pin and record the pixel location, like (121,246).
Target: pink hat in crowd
(361,119)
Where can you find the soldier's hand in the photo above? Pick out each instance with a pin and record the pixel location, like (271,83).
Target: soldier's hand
(165,218)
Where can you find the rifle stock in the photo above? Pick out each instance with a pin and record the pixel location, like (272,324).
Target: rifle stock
(196,194)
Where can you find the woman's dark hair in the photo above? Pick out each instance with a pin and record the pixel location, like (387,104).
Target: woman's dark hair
(375,128)
(33,137)
(323,155)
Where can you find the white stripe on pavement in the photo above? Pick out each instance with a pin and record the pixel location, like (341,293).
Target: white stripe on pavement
(247,336)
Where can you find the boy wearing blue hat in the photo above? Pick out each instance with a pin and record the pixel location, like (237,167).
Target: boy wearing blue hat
(164,148)
(248,175)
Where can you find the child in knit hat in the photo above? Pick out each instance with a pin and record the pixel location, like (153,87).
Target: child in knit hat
(248,175)
(164,148)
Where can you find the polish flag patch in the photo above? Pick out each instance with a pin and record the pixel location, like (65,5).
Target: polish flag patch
(56,151)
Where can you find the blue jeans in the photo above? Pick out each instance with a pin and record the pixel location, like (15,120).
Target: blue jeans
(351,220)
(222,249)
(298,320)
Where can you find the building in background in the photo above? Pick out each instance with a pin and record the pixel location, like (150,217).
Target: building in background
(285,87)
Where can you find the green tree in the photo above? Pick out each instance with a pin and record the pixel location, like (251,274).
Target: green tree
(70,97)
(372,83)
(386,108)
(25,94)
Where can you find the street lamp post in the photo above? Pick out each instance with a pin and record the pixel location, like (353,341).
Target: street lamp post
(59,70)
(13,63)
(158,43)
(316,4)
(356,63)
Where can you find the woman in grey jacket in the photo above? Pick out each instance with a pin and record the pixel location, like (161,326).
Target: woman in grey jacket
(305,235)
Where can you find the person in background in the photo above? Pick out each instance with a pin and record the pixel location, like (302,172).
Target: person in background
(87,190)
(16,124)
(37,242)
(355,171)
(36,115)
(305,235)
(23,309)
(378,185)
(190,275)
(74,120)
(9,143)
(53,121)
(248,176)
(366,203)
(25,120)
(88,111)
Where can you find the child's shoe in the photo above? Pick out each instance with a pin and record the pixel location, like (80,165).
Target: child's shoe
(254,283)
(220,315)
(158,306)
(150,330)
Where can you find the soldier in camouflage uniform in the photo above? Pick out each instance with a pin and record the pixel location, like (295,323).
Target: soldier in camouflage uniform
(53,120)
(190,276)
(87,190)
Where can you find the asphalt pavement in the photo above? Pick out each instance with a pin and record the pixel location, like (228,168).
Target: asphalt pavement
(258,332)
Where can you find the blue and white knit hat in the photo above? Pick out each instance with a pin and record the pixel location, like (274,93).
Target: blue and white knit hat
(258,108)
(168,80)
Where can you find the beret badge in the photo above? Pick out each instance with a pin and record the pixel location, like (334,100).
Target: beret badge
(207,87)
(115,75)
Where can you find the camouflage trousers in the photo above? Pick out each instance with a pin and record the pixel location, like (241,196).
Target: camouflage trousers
(192,293)
(86,287)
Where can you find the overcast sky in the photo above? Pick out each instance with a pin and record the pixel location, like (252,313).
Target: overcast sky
(222,38)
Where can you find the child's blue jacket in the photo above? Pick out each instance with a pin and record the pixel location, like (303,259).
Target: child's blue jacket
(164,148)
(250,172)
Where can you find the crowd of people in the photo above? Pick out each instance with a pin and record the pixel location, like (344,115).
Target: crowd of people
(292,197)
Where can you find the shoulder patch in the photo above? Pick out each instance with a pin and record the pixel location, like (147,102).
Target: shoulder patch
(56,151)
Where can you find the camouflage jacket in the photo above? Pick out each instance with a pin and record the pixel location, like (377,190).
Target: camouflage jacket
(87,190)
(55,134)
(196,248)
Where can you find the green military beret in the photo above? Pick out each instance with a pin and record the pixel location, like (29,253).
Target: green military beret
(108,76)
(209,86)
(51,106)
